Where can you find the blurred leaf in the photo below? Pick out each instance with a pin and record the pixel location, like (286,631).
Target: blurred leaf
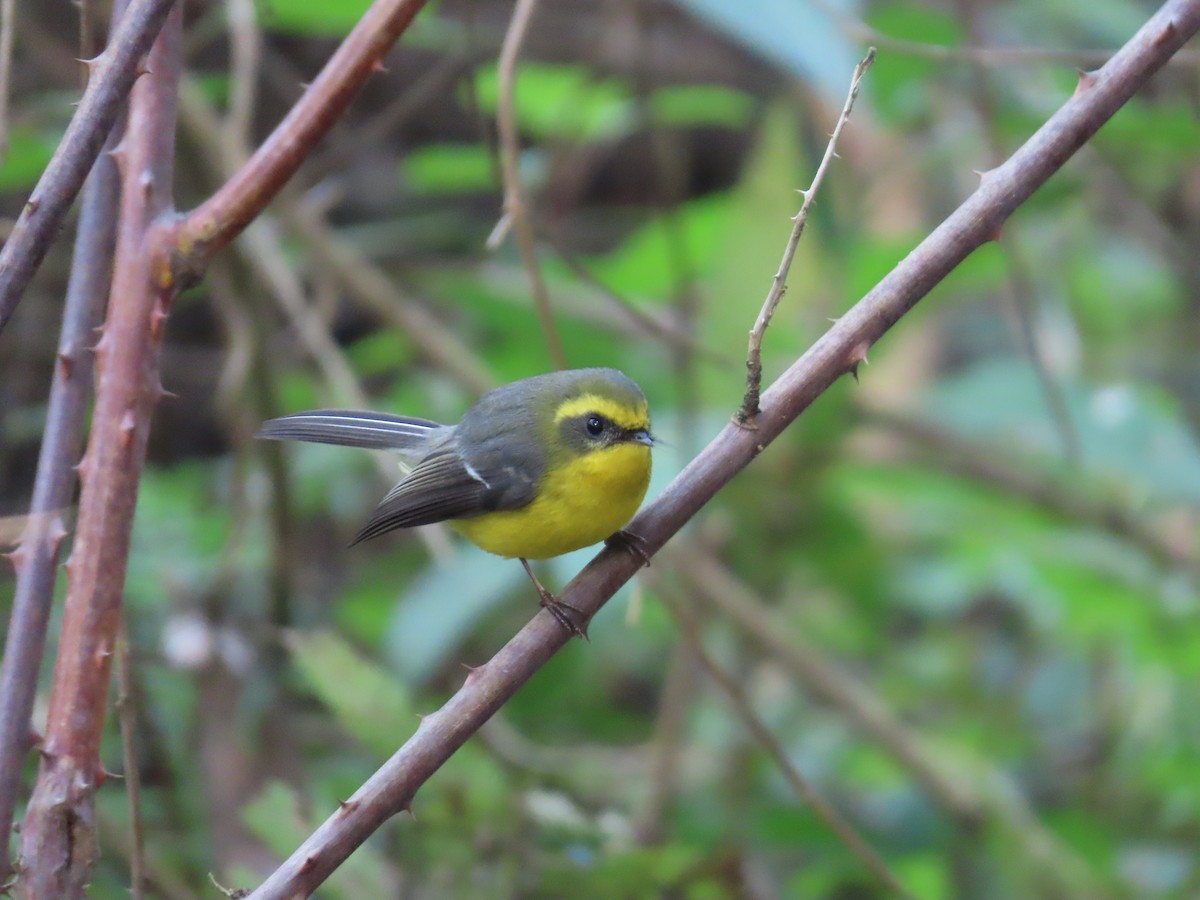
(701,104)
(441,608)
(564,101)
(450,169)
(802,38)
(366,700)
(28,153)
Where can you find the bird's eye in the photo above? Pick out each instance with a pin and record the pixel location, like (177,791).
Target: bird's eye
(595,426)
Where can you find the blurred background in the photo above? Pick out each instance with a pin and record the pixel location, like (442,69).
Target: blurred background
(961,593)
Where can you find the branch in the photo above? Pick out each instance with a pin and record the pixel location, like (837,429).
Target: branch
(112,74)
(515,212)
(220,219)
(58,842)
(36,560)
(392,788)
(779,284)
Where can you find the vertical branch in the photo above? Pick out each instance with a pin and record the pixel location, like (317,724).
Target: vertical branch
(515,211)
(7,24)
(36,560)
(58,843)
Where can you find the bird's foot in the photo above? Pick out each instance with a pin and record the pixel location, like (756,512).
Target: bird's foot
(633,544)
(572,619)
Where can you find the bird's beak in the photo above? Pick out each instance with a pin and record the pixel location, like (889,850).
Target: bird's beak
(643,437)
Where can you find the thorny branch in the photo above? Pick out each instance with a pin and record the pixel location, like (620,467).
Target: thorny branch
(779,284)
(976,221)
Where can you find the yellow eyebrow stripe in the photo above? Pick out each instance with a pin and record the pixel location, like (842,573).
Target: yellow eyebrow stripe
(625,416)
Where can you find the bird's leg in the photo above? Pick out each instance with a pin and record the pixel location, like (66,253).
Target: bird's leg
(631,543)
(563,613)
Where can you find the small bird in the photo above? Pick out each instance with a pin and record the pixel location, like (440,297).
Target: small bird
(535,469)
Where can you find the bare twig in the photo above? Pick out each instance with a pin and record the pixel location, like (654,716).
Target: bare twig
(58,841)
(7,26)
(245,48)
(37,559)
(740,703)
(131,776)
(112,74)
(515,211)
(392,788)
(779,283)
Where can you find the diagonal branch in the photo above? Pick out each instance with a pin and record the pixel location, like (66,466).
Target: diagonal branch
(977,221)
(221,218)
(112,74)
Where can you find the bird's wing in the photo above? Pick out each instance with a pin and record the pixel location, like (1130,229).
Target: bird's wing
(351,428)
(442,486)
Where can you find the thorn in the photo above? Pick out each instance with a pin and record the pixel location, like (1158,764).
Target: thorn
(164,394)
(995,235)
(46,755)
(17,558)
(1166,34)
(128,428)
(378,66)
(1087,80)
(103,774)
(34,738)
(66,363)
(310,862)
(347,806)
(407,807)
(32,204)
(146,182)
(858,356)
(143,68)
(158,320)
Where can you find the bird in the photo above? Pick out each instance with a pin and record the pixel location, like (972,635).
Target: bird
(534,469)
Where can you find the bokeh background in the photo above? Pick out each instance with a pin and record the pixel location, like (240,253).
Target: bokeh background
(961,593)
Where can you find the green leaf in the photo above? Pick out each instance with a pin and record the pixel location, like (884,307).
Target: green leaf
(561,101)
(366,699)
(444,169)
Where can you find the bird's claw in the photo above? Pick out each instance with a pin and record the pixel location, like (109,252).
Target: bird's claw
(633,544)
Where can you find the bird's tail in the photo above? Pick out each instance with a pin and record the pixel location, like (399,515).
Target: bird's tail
(351,428)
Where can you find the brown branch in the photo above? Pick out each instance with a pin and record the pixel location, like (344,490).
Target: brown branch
(800,785)
(779,283)
(112,74)
(218,220)
(58,841)
(36,560)
(515,211)
(392,788)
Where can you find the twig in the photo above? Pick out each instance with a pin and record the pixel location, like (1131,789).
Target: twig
(58,841)
(392,788)
(779,284)
(36,561)
(131,776)
(740,703)
(245,49)
(7,26)
(515,211)
(112,74)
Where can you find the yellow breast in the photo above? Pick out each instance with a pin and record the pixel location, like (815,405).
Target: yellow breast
(578,504)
